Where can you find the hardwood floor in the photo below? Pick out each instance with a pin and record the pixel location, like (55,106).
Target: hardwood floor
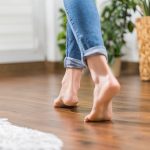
(27,101)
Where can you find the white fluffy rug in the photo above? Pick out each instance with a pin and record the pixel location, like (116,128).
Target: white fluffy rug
(19,138)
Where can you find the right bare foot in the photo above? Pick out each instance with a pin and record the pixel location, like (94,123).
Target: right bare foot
(69,90)
(102,105)
(106,86)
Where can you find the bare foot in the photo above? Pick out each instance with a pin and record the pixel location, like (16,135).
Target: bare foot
(106,87)
(70,84)
(103,93)
(62,101)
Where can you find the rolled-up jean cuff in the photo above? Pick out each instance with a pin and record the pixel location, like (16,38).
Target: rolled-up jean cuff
(73,63)
(96,50)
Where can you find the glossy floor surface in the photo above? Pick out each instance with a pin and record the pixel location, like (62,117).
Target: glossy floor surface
(27,101)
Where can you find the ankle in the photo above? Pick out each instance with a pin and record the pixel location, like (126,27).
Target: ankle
(72,77)
(114,85)
(110,79)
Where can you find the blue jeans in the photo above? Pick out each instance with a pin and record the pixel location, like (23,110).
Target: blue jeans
(84,37)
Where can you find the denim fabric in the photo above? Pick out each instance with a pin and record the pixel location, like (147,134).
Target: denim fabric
(84,37)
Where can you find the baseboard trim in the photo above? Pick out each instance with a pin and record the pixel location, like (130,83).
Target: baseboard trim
(30,68)
(127,68)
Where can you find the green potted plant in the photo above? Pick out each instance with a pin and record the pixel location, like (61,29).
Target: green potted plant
(61,37)
(115,22)
(143,36)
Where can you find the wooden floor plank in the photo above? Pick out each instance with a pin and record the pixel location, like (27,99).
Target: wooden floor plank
(27,101)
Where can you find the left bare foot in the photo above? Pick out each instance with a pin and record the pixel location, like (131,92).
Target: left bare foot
(68,95)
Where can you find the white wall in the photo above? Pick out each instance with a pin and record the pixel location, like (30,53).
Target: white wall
(130,50)
(21,31)
(52,29)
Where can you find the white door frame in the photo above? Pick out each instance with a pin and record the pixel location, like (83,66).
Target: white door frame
(52,29)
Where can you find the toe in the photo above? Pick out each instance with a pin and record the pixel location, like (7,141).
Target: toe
(87,118)
(58,103)
(70,103)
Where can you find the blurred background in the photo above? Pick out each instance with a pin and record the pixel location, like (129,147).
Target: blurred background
(32,49)
(32,31)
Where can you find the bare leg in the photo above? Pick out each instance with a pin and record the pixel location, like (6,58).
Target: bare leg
(106,86)
(68,95)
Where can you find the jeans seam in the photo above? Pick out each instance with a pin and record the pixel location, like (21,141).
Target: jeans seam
(96,50)
(75,32)
(78,62)
(95,47)
(66,43)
